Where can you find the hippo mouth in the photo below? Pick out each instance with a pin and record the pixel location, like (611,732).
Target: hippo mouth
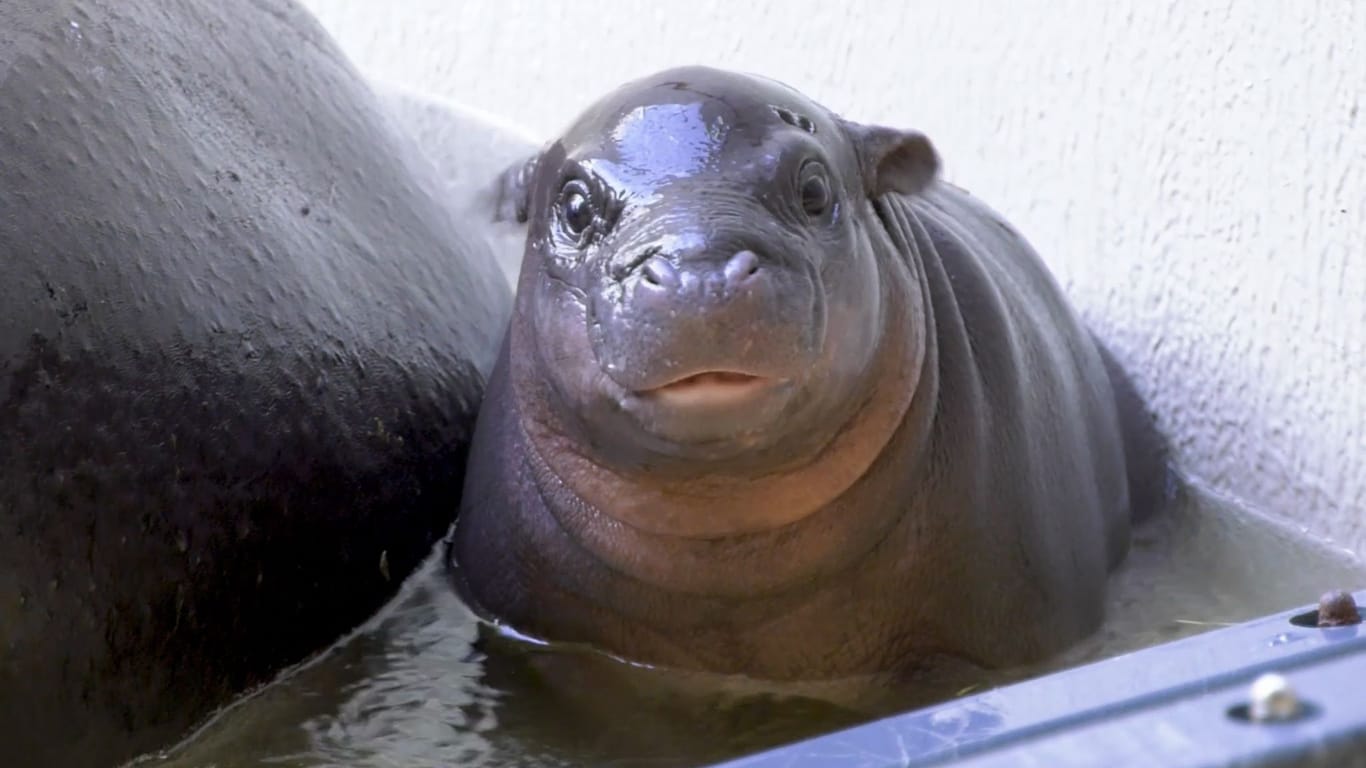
(710,388)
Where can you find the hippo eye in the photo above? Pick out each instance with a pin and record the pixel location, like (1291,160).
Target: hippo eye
(815,190)
(576,207)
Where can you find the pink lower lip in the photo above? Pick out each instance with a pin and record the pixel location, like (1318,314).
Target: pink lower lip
(710,388)
(712,378)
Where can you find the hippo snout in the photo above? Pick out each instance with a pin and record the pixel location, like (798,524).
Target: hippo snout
(661,285)
(738,311)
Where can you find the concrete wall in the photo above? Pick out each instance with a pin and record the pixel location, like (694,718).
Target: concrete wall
(1195,172)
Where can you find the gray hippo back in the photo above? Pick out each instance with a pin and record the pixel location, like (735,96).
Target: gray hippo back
(776,401)
(243,339)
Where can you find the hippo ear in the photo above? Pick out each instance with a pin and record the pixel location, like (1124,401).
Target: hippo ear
(893,160)
(509,195)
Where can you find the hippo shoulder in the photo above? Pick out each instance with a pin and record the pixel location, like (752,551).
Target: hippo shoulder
(242,343)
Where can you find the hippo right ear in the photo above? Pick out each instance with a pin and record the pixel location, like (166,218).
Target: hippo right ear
(510,193)
(893,160)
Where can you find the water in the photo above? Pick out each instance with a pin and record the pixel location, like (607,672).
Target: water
(426,684)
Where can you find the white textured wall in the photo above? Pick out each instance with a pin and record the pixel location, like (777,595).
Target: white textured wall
(1195,172)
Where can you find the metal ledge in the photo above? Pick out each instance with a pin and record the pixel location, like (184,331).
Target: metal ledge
(1168,705)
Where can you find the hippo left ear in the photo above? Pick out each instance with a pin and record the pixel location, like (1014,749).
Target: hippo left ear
(509,193)
(893,160)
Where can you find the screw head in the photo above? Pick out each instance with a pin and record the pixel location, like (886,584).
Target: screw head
(1273,699)
(1338,609)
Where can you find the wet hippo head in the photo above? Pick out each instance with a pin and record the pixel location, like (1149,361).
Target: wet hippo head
(701,287)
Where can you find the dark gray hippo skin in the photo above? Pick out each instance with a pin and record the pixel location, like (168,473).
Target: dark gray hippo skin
(242,345)
(776,401)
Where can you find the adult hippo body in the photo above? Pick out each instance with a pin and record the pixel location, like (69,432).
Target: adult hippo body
(243,339)
(775,401)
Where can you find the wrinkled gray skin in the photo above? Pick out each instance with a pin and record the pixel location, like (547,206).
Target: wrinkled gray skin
(242,344)
(776,401)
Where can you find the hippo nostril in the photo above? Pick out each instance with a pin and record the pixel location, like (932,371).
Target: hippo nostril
(659,273)
(741,267)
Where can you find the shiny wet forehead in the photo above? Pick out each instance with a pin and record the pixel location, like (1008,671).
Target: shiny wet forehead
(677,130)
(669,140)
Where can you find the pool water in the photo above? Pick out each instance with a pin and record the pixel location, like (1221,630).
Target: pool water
(426,683)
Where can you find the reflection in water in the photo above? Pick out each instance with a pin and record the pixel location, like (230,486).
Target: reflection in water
(426,684)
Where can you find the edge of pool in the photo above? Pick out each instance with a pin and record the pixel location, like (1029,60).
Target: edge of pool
(1168,705)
